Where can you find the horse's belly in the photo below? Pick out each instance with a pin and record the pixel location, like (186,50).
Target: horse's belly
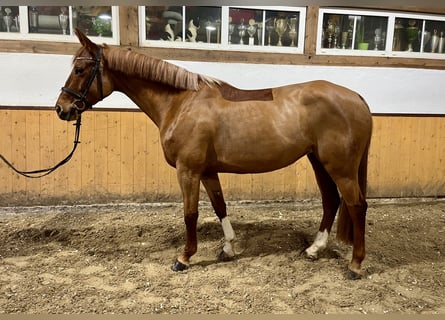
(258,157)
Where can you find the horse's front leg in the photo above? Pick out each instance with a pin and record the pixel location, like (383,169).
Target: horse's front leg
(189,183)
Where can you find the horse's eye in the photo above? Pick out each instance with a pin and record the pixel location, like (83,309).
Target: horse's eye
(78,70)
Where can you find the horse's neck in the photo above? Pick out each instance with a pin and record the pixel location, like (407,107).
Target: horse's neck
(152,98)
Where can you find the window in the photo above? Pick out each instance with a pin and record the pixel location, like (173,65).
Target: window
(275,29)
(57,23)
(375,33)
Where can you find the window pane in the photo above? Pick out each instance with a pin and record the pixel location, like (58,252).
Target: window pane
(371,33)
(434,36)
(205,23)
(93,20)
(9,19)
(407,35)
(202,24)
(163,23)
(245,26)
(48,19)
(337,31)
(282,28)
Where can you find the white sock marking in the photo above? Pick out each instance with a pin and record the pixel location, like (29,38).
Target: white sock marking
(229,235)
(320,242)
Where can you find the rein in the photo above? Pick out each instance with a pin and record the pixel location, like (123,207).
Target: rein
(45,172)
(80,97)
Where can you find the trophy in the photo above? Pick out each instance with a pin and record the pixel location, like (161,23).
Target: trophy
(231,29)
(377,38)
(426,39)
(412,32)
(251,29)
(259,33)
(8,19)
(280,28)
(331,31)
(241,31)
(209,29)
(270,28)
(292,31)
(34,20)
(63,20)
(344,39)
(434,41)
(441,42)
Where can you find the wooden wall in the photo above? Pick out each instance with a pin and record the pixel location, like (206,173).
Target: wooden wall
(120,158)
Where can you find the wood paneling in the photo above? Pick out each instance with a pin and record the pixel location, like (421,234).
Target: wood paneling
(120,158)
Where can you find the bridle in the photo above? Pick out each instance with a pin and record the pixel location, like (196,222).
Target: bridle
(80,97)
(95,73)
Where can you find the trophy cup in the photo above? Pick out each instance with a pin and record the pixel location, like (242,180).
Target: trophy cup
(426,39)
(259,33)
(330,31)
(280,28)
(270,28)
(34,20)
(209,29)
(63,20)
(241,31)
(377,38)
(344,39)
(231,29)
(434,41)
(8,19)
(441,42)
(292,31)
(251,29)
(412,32)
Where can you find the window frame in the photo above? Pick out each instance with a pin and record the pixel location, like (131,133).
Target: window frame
(24,33)
(224,45)
(388,50)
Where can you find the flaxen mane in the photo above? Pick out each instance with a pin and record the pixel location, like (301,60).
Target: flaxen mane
(133,63)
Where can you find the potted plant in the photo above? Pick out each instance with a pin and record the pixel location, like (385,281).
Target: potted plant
(361,43)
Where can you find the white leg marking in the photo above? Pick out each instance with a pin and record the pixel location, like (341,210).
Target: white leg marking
(229,235)
(320,242)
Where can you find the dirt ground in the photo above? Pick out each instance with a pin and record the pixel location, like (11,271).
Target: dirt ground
(116,259)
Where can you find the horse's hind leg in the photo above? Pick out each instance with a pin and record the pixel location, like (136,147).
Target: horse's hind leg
(330,201)
(353,212)
(214,191)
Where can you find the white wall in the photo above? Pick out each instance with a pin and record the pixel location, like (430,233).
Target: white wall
(36,79)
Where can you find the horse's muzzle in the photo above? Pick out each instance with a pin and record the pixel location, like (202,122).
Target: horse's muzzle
(71,115)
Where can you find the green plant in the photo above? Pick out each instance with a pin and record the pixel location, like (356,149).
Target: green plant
(102,27)
(361,30)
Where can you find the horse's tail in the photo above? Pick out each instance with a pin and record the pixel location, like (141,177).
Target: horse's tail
(345,231)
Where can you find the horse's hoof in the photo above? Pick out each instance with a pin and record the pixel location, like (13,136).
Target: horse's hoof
(223,257)
(309,256)
(179,266)
(352,275)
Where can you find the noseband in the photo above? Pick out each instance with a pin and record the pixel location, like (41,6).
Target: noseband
(95,73)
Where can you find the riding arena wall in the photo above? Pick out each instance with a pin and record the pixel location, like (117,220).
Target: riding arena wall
(120,157)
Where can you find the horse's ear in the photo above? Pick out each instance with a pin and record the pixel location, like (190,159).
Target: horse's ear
(86,42)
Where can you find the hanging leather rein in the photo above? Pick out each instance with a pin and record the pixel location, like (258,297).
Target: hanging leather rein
(80,97)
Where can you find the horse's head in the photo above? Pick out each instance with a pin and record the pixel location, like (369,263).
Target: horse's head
(88,82)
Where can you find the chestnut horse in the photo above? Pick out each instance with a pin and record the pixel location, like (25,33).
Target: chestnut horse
(207,126)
